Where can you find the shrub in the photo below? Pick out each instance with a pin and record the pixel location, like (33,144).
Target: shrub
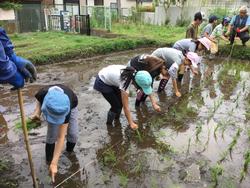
(221,12)
(182,22)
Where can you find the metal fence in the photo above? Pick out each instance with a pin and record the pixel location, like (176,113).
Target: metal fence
(30,18)
(36,17)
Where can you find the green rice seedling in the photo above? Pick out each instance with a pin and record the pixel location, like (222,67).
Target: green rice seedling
(162,147)
(109,157)
(217,104)
(138,135)
(3,165)
(216,171)
(29,123)
(245,166)
(247,114)
(223,156)
(234,142)
(138,168)
(244,86)
(198,130)
(123,177)
(248,133)
(160,134)
(208,139)
(230,146)
(215,130)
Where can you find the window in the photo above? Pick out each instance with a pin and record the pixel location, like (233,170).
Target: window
(98,2)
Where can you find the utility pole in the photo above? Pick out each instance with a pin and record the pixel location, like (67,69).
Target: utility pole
(118,2)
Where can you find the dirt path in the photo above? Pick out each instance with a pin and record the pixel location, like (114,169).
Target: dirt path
(178,147)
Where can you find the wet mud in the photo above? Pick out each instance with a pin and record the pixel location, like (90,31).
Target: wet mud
(198,140)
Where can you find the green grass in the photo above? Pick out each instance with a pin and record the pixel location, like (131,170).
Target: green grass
(47,47)
(164,35)
(30,124)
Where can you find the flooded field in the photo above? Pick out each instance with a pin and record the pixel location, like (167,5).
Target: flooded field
(199,140)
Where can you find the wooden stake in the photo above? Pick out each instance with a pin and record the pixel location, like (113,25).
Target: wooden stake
(26,138)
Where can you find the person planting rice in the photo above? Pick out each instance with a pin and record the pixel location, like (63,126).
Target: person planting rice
(208,29)
(154,65)
(58,104)
(175,62)
(191,45)
(14,74)
(113,82)
(192,30)
(239,26)
(219,33)
(23,66)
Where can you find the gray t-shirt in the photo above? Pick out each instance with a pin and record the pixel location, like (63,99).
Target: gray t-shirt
(171,56)
(207,29)
(185,44)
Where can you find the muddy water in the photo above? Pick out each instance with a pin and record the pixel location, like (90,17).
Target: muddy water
(175,148)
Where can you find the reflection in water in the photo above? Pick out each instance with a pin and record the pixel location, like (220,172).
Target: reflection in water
(145,154)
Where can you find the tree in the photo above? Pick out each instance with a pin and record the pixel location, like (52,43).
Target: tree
(138,2)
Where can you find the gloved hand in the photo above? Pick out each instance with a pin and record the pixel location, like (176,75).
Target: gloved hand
(238,30)
(25,67)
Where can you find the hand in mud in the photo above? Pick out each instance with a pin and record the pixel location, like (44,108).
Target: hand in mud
(156,107)
(53,171)
(134,126)
(178,94)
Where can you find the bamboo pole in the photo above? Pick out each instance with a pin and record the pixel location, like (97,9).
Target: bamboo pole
(26,138)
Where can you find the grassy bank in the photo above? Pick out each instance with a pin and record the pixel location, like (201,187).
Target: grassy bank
(168,35)
(47,47)
(162,35)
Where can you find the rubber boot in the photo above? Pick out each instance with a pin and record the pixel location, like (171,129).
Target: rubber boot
(162,85)
(118,114)
(49,151)
(111,117)
(70,146)
(180,76)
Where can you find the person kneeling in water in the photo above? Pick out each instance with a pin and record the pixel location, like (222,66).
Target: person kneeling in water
(113,82)
(58,104)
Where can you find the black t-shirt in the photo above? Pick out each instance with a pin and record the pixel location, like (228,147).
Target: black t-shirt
(72,97)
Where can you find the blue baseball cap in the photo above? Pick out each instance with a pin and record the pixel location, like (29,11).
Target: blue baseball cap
(212,18)
(144,80)
(56,106)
